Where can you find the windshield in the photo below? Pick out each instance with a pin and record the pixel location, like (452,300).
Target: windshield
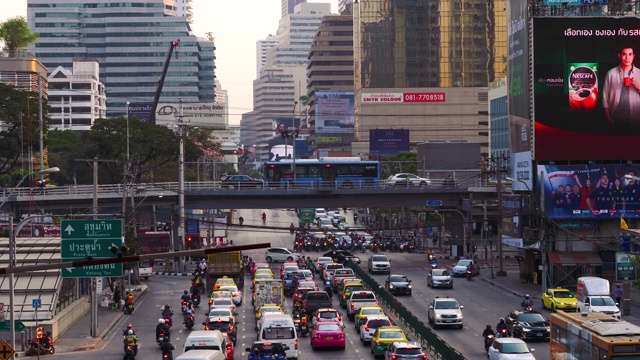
(222,302)
(517,348)
(408,351)
(603,301)
(463,263)
(328,315)
(440,273)
(531,318)
(564,295)
(391,335)
(398,278)
(378,323)
(220,312)
(230,288)
(329,327)
(308,285)
(371,311)
(447,305)
(274,333)
(379,258)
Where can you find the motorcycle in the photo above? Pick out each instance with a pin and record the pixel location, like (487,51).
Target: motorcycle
(36,349)
(503,333)
(188,321)
(469,274)
(162,337)
(128,310)
(167,350)
(302,327)
(129,353)
(527,307)
(195,299)
(434,264)
(488,341)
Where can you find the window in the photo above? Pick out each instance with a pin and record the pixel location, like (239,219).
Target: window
(273,333)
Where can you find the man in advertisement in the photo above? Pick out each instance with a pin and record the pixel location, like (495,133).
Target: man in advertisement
(621,92)
(601,199)
(631,193)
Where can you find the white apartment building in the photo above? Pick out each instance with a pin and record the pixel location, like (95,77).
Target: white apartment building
(76,97)
(184,9)
(262,47)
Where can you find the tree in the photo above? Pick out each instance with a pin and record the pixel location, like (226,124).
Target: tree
(405,162)
(16,34)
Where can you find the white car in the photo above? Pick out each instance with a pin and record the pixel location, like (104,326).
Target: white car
(460,268)
(321,261)
(320,212)
(379,263)
(445,311)
(237,294)
(280,254)
(510,348)
(222,303)
(407,179)
(370,325)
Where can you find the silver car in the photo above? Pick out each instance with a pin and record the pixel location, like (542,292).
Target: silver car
(280,254)
(407,179)
(439,278)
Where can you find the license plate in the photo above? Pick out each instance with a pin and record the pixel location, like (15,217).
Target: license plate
(539,334)
(160,338)
(329,337)
(449,321)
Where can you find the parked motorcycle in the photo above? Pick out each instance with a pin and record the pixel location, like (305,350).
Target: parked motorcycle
(36,349)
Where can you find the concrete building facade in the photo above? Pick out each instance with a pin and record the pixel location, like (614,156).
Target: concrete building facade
(262,47)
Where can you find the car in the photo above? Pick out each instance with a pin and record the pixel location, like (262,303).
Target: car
(532,323)
(405,350)
(324,223)
(267,309)
(370,325)
(383,337)
(263,276)
(460,268)
(379,263)
(321,261)
(223,281)
(327,334)
(320,212)
(510,348)
(237,294)
(398,284)
(327,314)
(328,268)
(340,274)
(241,182)
(222,303)
(366,312)
(289,267)
(407,179)
(306,275)
(445,311)
(260,265)
(215,313)
(270,349)
(220,294)
(225,324)
(348,287)
(559,298)
(280,254)
(439,278)
(339,256)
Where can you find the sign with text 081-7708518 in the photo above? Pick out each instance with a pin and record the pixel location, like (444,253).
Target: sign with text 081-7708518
(81,239)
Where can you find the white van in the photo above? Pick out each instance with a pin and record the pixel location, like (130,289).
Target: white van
(202,355)
(205,340)
(280,328)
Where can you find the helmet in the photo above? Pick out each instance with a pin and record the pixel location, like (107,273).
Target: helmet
(488,326)
(49,333)
(130,332)
(129,326)
(186,292)
(501,320)
(167,306)
(526,296)
(160,321)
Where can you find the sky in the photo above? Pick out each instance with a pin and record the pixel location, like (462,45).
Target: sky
(240,24)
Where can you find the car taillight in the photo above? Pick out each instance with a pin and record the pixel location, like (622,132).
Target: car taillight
(394,357)
(377,303)
(296,343)
(206,327)
(423,356)
(352,305)
(229,346)
(231,328)
(366,328)
(340,336)
(210,302)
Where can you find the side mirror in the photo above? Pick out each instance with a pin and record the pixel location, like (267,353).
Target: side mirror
(461,307)
(410,281)
(430,307)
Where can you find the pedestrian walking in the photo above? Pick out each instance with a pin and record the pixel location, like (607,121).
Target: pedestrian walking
(617,293)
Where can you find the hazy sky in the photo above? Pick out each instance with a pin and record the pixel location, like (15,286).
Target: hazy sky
(236,26)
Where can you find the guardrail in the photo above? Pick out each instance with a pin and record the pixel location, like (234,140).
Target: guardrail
(421,331)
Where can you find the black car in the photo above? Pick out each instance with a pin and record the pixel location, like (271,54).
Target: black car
(532,323)
(340,256)
(225,324)
(398,284)
(241,182)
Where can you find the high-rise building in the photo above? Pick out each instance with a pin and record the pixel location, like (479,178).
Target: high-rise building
(262,47)
(185,10)
(131,43)
(76,97)
(345,7)
(289,5)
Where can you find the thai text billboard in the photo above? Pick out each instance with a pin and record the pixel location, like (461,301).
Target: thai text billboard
(334,112)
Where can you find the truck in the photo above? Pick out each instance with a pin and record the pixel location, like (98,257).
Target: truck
(268,291)
(306,216)
(227,264)
(593,296)
(359,299)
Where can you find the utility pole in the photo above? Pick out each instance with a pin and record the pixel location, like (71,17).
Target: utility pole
(181,216)
(501,271)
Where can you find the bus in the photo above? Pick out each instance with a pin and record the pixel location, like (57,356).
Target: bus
(593,336)
(324,172)
(306,216)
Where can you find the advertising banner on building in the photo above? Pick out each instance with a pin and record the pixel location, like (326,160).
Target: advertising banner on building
(403,98)
(335,112)
(209,115)
(590,191)
(511,217)
(521,171)
(388,141)
(141,111)
(625,271)
(587,88)
(278,125)
(518,76)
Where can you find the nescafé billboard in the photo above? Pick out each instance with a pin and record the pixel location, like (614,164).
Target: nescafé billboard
(586,88)
(590,191)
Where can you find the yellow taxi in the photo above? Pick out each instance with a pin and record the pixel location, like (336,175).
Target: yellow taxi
(220,294)
(263,276)
(349,287)
(222,282)
(559,298)
(263,271)
(265,309)
(384,337)
(361,316)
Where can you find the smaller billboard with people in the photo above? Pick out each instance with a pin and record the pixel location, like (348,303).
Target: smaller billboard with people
(590,191)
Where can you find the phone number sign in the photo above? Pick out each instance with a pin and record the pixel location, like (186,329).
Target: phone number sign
(400,98)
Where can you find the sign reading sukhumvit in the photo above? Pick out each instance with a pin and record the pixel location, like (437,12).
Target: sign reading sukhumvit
(407,97)
(590,191)
(586,88)
(209,115)
(334,112)
(388,141)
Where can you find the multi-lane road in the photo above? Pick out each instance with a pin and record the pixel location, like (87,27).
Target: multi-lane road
(482,303)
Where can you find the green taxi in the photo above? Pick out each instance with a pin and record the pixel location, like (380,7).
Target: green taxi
(361,317)
(348,288)
(384,337)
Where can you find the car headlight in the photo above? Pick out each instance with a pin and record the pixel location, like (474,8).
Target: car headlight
(390,286)
(438,316)
(409,286)
(526,329)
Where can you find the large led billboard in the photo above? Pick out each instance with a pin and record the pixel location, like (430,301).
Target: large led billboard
(334,112)
(586,88)
(518,76)
(388,141)
(590,191)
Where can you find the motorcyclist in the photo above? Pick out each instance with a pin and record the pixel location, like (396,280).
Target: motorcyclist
(131,339)
(168,314)
(129,300)
(44,340)
(487,331)
(328,288)
(518,333)
(502,326)
(162,327)
(526,302)
(264,216)
(126,330)
(185,296)
(167,348)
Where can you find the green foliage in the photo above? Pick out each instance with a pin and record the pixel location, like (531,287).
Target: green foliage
(16,34)
(405,162)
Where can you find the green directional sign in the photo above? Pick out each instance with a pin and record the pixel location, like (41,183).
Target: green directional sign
(81,239)
(5,326)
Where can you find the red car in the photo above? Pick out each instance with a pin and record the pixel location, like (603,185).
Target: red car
(229,351)
(327,334)
(259,265)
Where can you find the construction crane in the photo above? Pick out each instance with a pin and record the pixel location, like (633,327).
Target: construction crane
(156,99)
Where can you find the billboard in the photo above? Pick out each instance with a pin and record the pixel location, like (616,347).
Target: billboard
(511,221)
(587,105)
(403,97)
(208,115)
(388,141)
(278,125)
(141,111)
(521,169)
(590,191)
(518,76)
(334,112)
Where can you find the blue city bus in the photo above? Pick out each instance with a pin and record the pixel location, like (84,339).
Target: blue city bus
(346,172)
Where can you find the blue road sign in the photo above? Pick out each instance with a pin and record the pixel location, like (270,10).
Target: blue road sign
(434,202)
(36,303)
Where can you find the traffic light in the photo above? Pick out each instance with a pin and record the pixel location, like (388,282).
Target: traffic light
(416,225)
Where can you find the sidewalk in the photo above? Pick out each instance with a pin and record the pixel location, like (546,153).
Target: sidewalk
(77,338)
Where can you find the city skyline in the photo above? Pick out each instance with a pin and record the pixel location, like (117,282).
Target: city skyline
(235,50)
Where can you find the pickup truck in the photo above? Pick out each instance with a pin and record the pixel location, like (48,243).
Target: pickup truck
(145,272)
(314,300)
(359,299)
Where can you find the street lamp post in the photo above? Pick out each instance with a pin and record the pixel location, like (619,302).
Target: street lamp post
(12,248)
